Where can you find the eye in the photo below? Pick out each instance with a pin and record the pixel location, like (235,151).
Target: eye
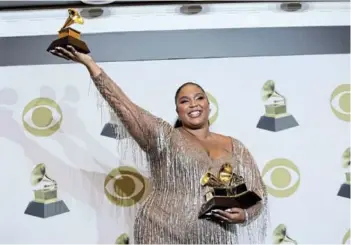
(125,186)
(340,102)
(282,177)
(214,108)
(42,117)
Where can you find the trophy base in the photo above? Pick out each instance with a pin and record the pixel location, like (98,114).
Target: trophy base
(46,210)
(109,131)
(277,124)
(344,191)
(78,44)
(244,201)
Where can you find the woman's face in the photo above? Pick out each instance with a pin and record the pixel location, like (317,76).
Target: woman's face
(192,107)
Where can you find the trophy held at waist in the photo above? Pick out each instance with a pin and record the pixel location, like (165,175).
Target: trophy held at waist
(45,203)
(225,190)
(69,36)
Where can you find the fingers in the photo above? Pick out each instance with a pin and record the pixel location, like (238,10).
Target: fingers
(222,213)
(72,49)
(233,210)
(65,52)
(58,54)
(221,217)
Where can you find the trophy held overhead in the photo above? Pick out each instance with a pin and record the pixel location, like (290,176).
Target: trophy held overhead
(70,36)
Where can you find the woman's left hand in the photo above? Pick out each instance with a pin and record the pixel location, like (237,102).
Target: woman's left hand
(232,215)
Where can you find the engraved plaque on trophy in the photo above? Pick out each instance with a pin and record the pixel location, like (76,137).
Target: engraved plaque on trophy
(344,190)
(69,36)
(276,117)
(226,190)
(45,203)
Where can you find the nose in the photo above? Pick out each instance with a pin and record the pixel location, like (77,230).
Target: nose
(193,103)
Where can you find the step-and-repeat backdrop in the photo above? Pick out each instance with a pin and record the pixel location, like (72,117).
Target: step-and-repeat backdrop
(62,176)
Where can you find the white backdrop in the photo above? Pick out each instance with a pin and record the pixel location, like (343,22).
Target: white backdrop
(79,158)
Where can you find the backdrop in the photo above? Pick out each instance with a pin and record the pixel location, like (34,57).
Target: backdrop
(51,114)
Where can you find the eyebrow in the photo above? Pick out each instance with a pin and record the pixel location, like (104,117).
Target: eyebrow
(197,94)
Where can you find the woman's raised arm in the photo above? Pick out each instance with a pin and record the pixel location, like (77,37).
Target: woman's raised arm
(148,131)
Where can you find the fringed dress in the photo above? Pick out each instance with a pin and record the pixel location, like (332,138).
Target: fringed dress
(169,215)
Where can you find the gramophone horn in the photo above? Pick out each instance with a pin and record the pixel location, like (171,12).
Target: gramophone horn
(209,179)
(346,158)
(280,235)
(38,174)
(268,90)
(73,17)
(226,173)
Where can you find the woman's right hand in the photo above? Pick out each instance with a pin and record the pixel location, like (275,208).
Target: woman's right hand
(72,54)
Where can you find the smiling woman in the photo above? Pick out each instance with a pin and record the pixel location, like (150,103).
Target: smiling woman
(178,158)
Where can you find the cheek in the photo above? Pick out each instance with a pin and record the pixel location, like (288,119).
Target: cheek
(181,110)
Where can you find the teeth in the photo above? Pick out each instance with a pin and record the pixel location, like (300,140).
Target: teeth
(194,113)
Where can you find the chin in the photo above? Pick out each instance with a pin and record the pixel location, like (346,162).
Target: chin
(197,124)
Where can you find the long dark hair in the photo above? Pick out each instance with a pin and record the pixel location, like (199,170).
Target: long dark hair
(178,122)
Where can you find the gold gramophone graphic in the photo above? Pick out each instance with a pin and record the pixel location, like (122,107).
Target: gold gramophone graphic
(70,36)
(110,129)
(226,190)
(45,202)
(280,236)
(122,239)
(344,190)
(276,117)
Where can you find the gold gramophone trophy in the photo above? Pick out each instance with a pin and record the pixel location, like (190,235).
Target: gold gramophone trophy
(110,129)
(344,190)
(70,36)
(226,190)
(45,202)
(280,236)
(276,117)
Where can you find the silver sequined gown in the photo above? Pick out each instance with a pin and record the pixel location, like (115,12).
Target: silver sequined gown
(169,214)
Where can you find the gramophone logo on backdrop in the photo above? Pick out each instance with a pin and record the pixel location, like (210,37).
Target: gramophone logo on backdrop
(340,102)
(122,239)
(125,186)
(346,238)
(280,236)
(344,190)
(42,117)
(45,202)
(283,178)
(276,117)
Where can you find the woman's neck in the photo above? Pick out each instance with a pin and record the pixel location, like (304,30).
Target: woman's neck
(201,133)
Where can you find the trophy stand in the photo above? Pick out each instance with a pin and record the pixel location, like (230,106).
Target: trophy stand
(226,190)
(109,129)
(45,202)
(276,117)
(69,36)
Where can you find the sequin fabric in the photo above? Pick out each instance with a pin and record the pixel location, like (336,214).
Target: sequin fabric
(169,215)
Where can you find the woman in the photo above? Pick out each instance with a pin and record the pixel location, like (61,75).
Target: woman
(178,158)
